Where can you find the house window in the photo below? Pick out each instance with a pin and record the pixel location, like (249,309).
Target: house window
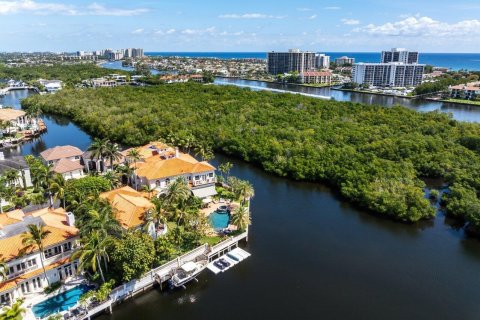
(167,181)
(157,183)
(210,174)
(77,158)
(67,246)
(197,177)
(5,298)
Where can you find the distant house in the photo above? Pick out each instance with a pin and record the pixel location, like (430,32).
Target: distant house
(66,160)
(467,91)
(16,118)
(103,83)
(51,86)
(161,165)
(18,164)
(322,77)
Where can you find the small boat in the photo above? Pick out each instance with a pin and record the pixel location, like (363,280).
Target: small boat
(187,272)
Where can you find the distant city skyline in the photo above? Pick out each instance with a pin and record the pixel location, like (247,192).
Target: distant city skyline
(246,26)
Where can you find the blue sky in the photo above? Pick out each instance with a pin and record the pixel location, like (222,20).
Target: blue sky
(246,25)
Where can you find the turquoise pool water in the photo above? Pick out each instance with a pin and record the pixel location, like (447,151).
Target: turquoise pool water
(60,302)
(219,220)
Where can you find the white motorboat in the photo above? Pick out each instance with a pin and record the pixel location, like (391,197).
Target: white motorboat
(188,272)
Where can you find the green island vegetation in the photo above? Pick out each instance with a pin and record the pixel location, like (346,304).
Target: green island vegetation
(70,74)
(375,156)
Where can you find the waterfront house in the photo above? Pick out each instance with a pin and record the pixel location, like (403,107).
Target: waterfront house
(25,276)
(18,164)
(321,77)
(65,160)
(161,164)
(51,86)
(130,207)
(16,118)
(469,91)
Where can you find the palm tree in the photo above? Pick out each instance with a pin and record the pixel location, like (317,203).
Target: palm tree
(113,178)
(102,220)
(112,152)
(149,189)
(177,191)
(6,192)
(34,238)
(3,270)
(225,169)
(15,312)
(134,155)
(246,190)
(155,215)
(11,176)
(241,218)
(204,152)
(98,149)
(34,112)
(57,187)
(92,251)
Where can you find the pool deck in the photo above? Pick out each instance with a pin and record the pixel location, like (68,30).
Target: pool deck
(212,207)
(40,297)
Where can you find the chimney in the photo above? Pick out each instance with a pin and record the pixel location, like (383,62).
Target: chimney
(70,219)
(177,154)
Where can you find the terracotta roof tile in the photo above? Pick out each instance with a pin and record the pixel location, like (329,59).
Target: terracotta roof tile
(60,152)
(65,165)
(8,114)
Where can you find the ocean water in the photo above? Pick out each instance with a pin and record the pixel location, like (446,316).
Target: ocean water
(454,61)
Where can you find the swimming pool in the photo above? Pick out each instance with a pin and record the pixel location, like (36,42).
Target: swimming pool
(219,220)
(61,302)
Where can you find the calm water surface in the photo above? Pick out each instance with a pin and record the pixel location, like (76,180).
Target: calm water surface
(315,256)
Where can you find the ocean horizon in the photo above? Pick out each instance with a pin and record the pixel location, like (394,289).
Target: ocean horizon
(454,61)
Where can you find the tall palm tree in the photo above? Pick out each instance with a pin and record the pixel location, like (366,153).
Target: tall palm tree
(177,191)
(15,312)
(11,177)
(241,218)
(246,190)
(57,187)
(112,152)
(102,220)
(113,178)
(148,189)
(134,155)
(92,251)
(98,149)
(225,169)
(3,270)
(34,238)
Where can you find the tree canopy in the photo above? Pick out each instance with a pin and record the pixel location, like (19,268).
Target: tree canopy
(375,156)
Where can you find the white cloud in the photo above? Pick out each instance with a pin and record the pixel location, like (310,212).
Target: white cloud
(95,9)
(198,31)
(332,8)
(138,31)
(169,31)
(249,16)
(423,26)
(10,7)
(100,10)
(312,17)
(350,22)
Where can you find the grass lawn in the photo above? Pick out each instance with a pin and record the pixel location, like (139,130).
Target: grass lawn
(472,102)
(211,240)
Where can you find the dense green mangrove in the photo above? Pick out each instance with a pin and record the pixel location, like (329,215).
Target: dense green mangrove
(375,156)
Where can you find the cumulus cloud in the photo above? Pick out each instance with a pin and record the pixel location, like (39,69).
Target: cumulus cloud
(138,31)
(10,7)
(209,30)
(423,26)
(249,16)
(350,22)
(100,10)
(165,32)
(332,8)
(95,9)
(312,17)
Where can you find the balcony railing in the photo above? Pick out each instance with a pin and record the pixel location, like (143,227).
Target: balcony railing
(21,272)
(196,183)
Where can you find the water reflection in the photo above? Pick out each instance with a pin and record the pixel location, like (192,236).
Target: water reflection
(459,112)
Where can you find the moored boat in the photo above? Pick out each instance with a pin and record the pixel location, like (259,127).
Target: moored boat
(187,272)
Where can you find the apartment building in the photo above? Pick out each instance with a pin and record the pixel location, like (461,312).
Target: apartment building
(319,77)
(344,61)
(322,61)
(400,55)
(468,91)
(292,61)
(394,74)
